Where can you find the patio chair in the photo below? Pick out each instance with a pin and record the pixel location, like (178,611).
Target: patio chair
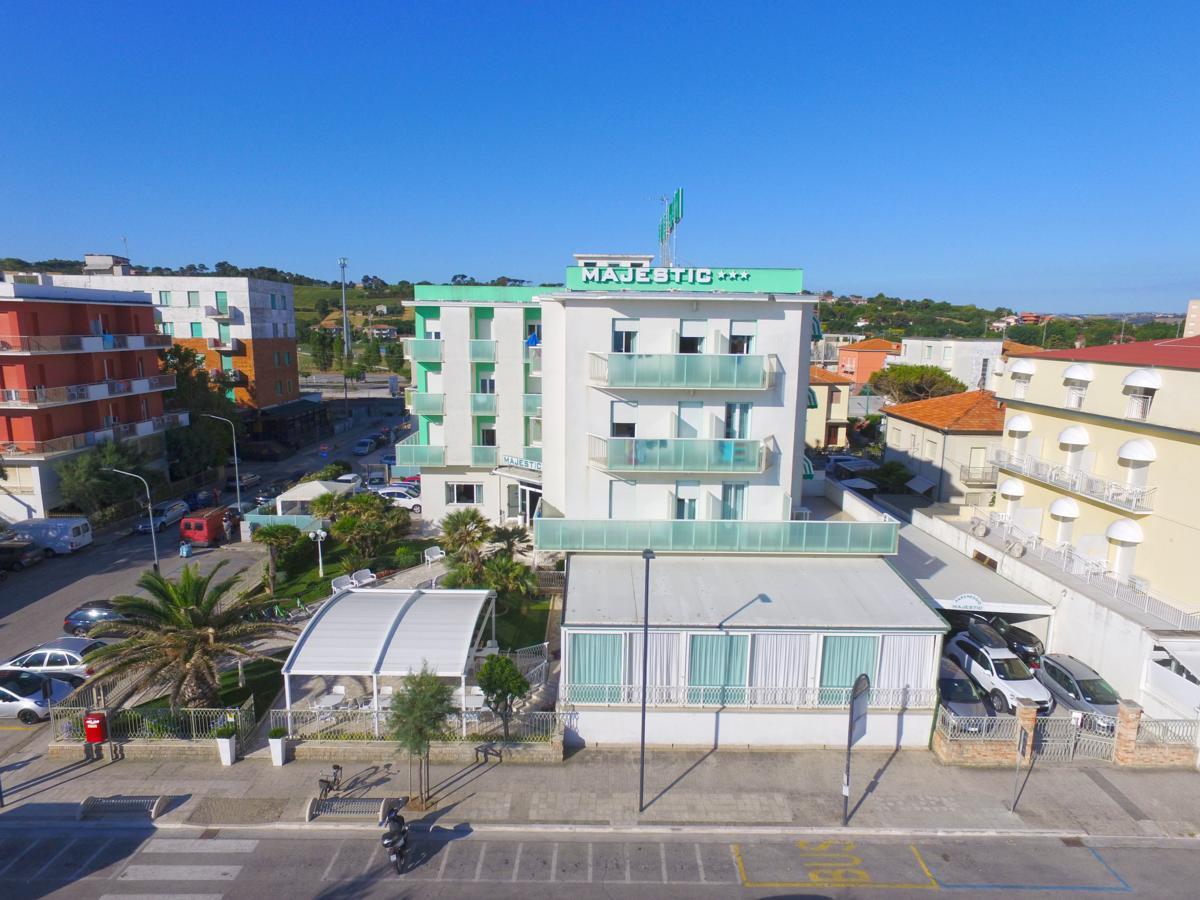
(433,554)
(341,583)
(363,576)
(339,689)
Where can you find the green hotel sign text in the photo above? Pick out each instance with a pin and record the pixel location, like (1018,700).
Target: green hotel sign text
(675,278)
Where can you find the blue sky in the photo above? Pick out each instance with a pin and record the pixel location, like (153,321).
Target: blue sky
(1001,154)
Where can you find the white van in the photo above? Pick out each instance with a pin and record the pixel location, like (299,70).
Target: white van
(57,535)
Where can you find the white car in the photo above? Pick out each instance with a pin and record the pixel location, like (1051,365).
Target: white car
(402,498)
(352,479)
(1000,673)
(61,658)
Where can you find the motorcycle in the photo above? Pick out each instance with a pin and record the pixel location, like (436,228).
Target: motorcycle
(395,842)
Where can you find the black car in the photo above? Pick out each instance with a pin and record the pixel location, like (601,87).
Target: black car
(202,499)
(269,492)
(80,621)
(18,555)
(1024,644)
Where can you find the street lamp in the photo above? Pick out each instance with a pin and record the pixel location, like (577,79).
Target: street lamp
(237,478)
(647,555)
(149,508)
(342,261)
(319,537)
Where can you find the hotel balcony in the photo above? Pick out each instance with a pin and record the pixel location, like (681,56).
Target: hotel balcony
(1116,494)
(73,443)
(481,351)
(694,455)
(37,398)
(483,404)
(483,456)
(533,356)
(217,312)
(81,343)
(423,350)
(532,405)
(691,371)
(977,476)
(422,404)
(410,453)
(228,376)
(533,453)
(228,345)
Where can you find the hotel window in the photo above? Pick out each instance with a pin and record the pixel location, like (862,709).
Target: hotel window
(164,298)
(1075,395)
(459,493)
(624,419)
(487,435)
(928,352)
(279,388)
(433,329)
(930,449)
(167,328)
(1139,404)
(193,299)
(272,301)
(287,357)
(733,500)
(277,358)
(741,336)
(487,383)
(289,386)
(624,335)
(947,353)
(691,335)
(912,443)
(533,330)
(737,421)
(197,330)
(222,302)
(1020,387)
(687,494)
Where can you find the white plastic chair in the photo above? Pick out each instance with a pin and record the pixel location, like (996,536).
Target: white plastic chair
(341,583)
(433,554)
(363,576)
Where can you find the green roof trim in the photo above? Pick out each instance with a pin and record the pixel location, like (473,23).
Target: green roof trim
(476,293)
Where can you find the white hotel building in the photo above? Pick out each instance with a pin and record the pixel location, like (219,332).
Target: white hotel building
(646,407)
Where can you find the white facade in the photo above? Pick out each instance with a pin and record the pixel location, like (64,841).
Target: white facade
(973,362)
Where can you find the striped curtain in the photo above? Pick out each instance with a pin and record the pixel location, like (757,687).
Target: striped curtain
(843,659)
(717,669)
(594,670)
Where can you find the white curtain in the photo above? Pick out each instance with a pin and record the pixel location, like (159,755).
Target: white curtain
(664,658)
(780,660)
(905,661)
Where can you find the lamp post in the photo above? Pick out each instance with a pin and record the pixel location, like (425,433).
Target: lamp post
(318,537)
(647,555)
(149,508)
(237,478)
(342,261)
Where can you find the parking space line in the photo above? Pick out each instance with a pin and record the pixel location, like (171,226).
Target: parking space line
(554,862)
(517,861)
(628,857)
(332,862)
(699,863)
(1122,887)
(589,862)
(662,854)
(51,860)
(78,871)
(370,863)
(445,857)
(479,865)
(865,882)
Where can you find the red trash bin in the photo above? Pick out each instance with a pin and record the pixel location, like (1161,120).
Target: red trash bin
(95,728)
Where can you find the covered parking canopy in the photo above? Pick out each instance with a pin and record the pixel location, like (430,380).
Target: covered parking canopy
(296,499)
(389,632)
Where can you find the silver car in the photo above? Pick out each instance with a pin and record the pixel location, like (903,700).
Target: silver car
(61,658)
(958,693)
(1078,686)
(26,696)
(161,515)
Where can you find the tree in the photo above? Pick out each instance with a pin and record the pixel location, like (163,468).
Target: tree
(513,581)
(393,358)
(368,522)
(904,384)
(1025,334)
(204,442)
(502,685)
(320,345)
(321,307)
(278,539)
(512,539)
(327,506)
(462,279)
(418,717)
(179,635)
(84,484)
(891,476)
(463,529)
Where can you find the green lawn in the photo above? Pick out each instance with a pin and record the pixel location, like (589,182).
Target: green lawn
(262,680)
(306,585)
(514,630)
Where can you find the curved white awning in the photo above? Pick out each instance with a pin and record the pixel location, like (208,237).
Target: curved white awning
(1138,450)
(1074,436)
(1143,378)
(1022,367)
(1065,508)
(1125,530)
(1020,424)
(1010,487)
(1079,372)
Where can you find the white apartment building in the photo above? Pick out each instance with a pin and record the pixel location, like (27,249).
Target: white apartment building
(974,362)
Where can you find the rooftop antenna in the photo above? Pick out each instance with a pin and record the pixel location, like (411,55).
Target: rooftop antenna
(672,215)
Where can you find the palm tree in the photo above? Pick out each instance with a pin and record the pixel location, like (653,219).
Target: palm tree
(327,506)
(368,522)
(464,529)
(277,539)
(179,634)
(513,581)
(512,539)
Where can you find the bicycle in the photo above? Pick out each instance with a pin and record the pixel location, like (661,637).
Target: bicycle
(326,785)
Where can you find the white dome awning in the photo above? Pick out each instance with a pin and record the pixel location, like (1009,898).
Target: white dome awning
(1074,436)
(1138,450)
(1022,367)
(1079,372)
(1143,378)
(1010,487)
(1126,530)
(1019,424)
(1065,508)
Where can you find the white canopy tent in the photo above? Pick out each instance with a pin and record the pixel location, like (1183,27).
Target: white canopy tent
(393,633)
(296,500)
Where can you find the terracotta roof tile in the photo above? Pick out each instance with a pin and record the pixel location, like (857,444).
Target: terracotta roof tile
(1015,348)
(1175,353)
(970,411)
(873,344)
(817,375)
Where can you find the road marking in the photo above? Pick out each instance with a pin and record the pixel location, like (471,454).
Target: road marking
(329,868)
(160,896)
(479,865)
(662,854)
(445,858)
(554,862)
(840,868)
(516,861)
(589,862)
(50,861)
(1122,887)
(82,867)
(628,857)
(197,845)
(179,873)
(700,863)
(370,863)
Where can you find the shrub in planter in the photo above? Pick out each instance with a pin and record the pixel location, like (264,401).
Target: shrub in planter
(276,733)
(406,558)
(226,737)
(225,731)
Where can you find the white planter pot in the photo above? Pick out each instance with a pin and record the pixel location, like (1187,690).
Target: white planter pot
(278,751)
(227,747)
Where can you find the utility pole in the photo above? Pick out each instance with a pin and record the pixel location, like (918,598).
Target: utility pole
(345,338)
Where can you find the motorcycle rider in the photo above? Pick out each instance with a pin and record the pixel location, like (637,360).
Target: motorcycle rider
(396,839)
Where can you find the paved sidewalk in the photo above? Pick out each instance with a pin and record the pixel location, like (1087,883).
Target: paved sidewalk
(908,790)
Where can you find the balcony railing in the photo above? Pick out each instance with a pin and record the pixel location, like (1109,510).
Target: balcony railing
(617,454)
(788,697)
(82,343)
(423,350)
(483,404)
(533,356)
(532,405)
(216,312)
(716,536)
(422,404)
(481,351)
(75,442)
(693,371)
(984,476)
(410,453)
(80,393)
(228,344)
(1113,493)
(533,453)
(483,456)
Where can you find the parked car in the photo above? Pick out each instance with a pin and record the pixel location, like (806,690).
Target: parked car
(958,693)
(54,536)
(61,658)
(202,498)
(1078,686)
(364,446)
(161,515)
(79,621)
(268,492)
(247,479)
(388,459)
(402,499)
(351,478)
(17,555)
(376,481)
(204,527)
(999,672)
(26,696)
(1025,644)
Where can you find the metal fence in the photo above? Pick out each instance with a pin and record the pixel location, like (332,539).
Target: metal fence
(752,696)
(369,725)
(976,728)
(1168,731)
(153,723)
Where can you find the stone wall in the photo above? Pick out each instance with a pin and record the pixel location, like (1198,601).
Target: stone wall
(458,752)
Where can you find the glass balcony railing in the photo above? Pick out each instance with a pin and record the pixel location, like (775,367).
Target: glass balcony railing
(423,350)
(411,454)
(694,371)
(483,404)
(716,536)
(423,404)
(85,343)
(483,456)
(533,453)
(481,351)
(533,405)
(677,454)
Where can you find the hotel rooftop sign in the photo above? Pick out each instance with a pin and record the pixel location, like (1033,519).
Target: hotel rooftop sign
(676,278)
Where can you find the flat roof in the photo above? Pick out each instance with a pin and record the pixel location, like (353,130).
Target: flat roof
(742,593)
(940,573)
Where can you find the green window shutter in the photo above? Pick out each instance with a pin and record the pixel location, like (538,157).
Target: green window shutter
(595,661)
(812,399)
(717,668)
(843,659)
(223,332)
(197,330)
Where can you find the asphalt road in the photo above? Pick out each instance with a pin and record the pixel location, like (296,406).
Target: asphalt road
(95,862)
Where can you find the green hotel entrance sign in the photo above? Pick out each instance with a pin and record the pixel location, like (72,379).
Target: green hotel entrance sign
(675,278)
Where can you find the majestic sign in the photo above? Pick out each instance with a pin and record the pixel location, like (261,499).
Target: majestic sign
(971,602)
(675,278)
(531,464)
